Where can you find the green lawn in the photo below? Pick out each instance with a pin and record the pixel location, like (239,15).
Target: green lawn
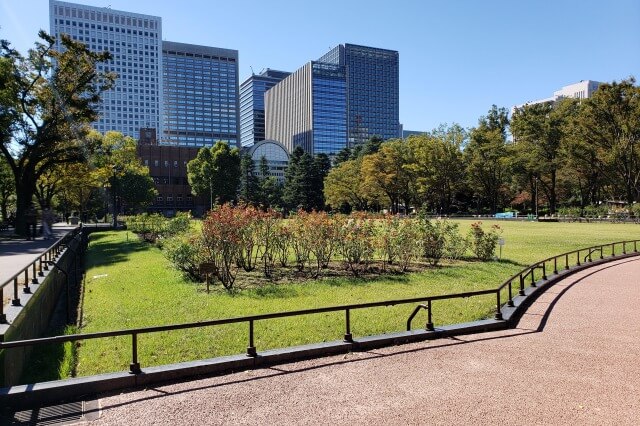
(130,284)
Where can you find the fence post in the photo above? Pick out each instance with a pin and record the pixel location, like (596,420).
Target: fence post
(578,257)
(34,277)
(347,331)
(521,285)
(251,349)
(555,265)
(498,311)
(3,316)
(16,299)
(134,367)
(429,317)
(544,270)
(566,261)
(533,280)
(510,302)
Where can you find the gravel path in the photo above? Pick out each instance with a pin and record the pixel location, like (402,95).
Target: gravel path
(572,360)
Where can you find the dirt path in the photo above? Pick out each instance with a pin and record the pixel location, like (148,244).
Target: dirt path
(573,359)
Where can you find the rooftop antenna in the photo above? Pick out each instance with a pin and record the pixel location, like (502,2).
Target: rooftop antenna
(252,73)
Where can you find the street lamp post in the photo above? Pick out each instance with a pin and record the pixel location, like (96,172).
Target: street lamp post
(115,199)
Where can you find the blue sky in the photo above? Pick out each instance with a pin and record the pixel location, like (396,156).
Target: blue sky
(457,57)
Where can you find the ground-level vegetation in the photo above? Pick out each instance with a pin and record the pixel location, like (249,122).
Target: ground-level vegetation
(129,283)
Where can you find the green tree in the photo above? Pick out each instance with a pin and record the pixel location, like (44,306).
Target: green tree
(249,182)
(540,132)
(387,171)
(609,122)
(436,166)
(48,99)
(345,184)
(7,188)
(215,172)
(486,157)
(299,181)
(136,190)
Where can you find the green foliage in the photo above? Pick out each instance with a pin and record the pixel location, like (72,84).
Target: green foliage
(484,243)
(215,173)
(47,101)
(357,242)
(184,251)
(304,181)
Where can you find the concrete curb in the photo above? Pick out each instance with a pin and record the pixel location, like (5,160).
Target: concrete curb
(24,396)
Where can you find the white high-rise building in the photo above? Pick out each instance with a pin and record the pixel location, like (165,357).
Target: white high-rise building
(135,41)
(582,90)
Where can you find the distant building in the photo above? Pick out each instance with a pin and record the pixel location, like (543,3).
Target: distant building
(168,169)
(200,95)
(308,109)
(349,95)
(188,93)
(135,41)
(407,133)
(373,87)
(582,90)
(275,154)
(252,92)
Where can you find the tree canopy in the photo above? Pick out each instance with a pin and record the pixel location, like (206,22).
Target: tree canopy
(215,173)
(48,99)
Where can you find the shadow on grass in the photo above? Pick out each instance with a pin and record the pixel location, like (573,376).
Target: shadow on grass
(273,291)
(105,251)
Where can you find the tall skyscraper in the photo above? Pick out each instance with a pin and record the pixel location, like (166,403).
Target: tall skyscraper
(308,109)
(200,95)
(252,92)
(197,105)
(349,95)
(134,40)
(373,86)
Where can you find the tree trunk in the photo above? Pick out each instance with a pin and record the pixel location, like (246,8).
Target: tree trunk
(24,197)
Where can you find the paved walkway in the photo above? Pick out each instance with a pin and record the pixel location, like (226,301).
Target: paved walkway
(573,359)
(17,254)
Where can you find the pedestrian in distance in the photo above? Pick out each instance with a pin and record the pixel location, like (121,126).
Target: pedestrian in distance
(31,219)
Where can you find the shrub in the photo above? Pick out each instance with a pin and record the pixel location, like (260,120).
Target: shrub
(185,252)
(222,239)
(432,239)
(267,232)
(299,239)
(357,242)
(456,245)
(484,243)
(321,234)
(397,241)
(282,243)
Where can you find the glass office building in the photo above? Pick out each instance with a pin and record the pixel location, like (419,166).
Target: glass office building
(134,40)
(188,93)
(200,95)
(373,86)
(252,112)
(329,113)
(349,95)
(308,109)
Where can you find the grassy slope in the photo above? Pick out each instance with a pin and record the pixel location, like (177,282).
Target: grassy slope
(141,289)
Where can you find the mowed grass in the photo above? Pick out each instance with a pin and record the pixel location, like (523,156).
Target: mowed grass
(129,284)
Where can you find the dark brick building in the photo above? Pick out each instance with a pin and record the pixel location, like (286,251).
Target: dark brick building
(168,168)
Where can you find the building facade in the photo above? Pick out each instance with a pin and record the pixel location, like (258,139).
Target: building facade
(274,153)
(168,168)
(349,95)
(200,95)
(197,105)
(308,109)
(135,42)
(581,90)
(252,112)
(373,87)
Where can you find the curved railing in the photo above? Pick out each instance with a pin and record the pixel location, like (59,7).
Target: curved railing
(31,273)
(528,275)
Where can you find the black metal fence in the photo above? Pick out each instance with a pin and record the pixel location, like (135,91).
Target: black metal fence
(34,271)
(517,282)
